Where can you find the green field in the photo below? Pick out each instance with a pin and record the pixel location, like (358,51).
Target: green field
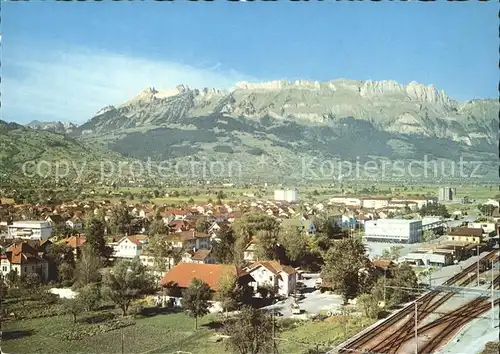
(164,333)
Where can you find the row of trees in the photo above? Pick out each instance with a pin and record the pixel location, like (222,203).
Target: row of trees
(289,245)
(122,284)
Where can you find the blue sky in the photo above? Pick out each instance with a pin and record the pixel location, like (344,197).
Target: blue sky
(65,61)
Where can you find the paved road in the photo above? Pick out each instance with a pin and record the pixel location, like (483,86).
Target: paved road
(456,223)
(313,302)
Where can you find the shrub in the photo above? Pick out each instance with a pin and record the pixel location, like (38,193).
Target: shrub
(81,331)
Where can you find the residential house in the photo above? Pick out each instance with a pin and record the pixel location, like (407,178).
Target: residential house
(55,220)
(129,246)
(24,259)
(178,226)
(191,239)
(214,227)
(75,243)
(198,256)
(468,234)
(271,273)
(180,214)
(488,227)
(249,252)
(384,267)
(496,214)
(75,223)
(181,276)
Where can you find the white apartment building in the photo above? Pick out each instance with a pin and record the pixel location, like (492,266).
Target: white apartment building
(446,194)
(351,201)
(393,230)
(419,202)
(30,230)
(432,222)
(288,195)
(374,202)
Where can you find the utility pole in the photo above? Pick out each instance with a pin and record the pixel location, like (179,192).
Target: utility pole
(492,296)
(477,265)
(416,329)
(274,333)
(123,351)
(385,280)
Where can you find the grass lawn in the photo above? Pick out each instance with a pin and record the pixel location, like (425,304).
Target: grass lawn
(321,335)
(165,333)
(148,334)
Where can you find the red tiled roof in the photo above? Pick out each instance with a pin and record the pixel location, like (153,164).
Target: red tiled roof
(200,255)
(188,235)
(75,241)
(178,225)
(137,238)
(183,273)
(383,263)
(179,212)
(274,266)
(22,253)
(466,231)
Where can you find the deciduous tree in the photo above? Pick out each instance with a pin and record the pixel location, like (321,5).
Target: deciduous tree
(347,267)
(88,266)
(161,250)
(90,296)
(95,237)
(195,299)
(223,249)
(202,225)
(120,221)
(251,332)
(73,306)
(230,294)
(404,277)
(125,282)
(296,244)
(158,227)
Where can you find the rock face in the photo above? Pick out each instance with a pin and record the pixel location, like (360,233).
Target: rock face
(340,118)
(57,127)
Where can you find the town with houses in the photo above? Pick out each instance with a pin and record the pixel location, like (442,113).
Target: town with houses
(203,242)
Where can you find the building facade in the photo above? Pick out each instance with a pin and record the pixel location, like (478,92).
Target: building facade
(30,230)
(393,231)
(288,195)
(446,194)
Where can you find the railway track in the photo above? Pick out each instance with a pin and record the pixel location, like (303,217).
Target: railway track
(426,307)
(394,341)
(453,324)
(445,326)
(448,320)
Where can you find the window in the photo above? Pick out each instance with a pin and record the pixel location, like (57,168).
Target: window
(4,268)
(26,269)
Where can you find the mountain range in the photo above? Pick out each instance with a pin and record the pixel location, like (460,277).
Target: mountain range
(57,127)
(282,125)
